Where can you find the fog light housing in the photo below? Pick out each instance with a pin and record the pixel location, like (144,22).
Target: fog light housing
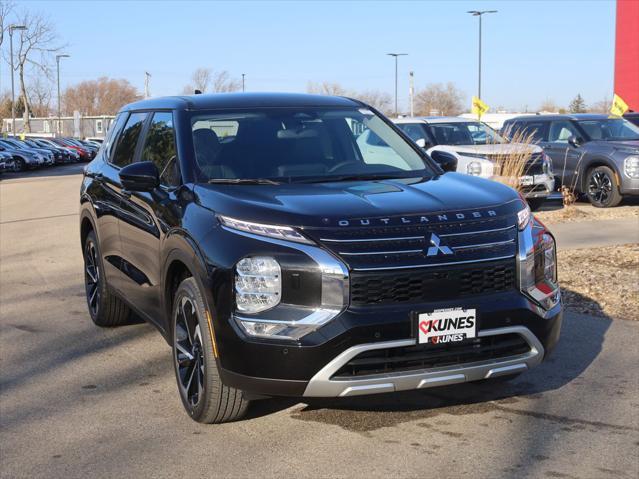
(474,168)
(258,284)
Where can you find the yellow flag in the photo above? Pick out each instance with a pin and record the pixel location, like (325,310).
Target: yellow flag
(479,107)
(22,136)
(619,107)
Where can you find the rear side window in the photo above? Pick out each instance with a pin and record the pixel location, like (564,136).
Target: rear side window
(524,129)
(159,147)
(128,140)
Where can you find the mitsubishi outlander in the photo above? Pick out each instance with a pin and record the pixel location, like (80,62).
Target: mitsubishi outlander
(279,259)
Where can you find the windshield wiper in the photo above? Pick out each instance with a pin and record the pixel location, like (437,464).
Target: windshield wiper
(243,181)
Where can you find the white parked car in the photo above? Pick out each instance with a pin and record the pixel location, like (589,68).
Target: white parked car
(473,144)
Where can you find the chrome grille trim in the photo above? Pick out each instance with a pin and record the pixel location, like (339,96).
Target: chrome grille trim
(477,232)
(369,253)
(484,245)
(434,265)
(372,240)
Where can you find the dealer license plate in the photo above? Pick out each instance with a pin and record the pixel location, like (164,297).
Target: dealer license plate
(527,180)
(446,326)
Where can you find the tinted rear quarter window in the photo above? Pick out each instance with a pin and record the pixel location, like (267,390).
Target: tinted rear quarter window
(128,140)
(159,147)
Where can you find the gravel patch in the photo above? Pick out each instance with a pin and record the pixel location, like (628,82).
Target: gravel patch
(602,282)
(584,212)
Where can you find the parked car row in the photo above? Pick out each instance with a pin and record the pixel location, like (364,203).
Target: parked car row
(32,152)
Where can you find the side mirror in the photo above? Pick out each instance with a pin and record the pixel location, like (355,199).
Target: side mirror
(574,141)
(447,161)
(141,176)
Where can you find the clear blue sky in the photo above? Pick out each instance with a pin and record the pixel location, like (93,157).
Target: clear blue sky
(533,50)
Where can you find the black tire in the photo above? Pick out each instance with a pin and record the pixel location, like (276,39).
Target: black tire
(106,309)
(535,203)
(204,396)
(602,187)
(20,165)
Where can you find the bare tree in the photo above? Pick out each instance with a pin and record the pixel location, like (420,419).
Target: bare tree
(549,105)
(601,106)
(326,88)
(5,10)
(36,45)
(439,99)
(207,80)
(104,96)
(40,95)
(379,100)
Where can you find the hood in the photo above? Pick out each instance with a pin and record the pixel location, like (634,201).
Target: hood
(492,149)
(325,204)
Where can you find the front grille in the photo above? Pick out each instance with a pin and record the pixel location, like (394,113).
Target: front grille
(427,356)
(535,165)
(433,284)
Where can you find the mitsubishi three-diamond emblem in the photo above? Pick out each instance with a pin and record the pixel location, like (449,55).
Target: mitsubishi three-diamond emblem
(436,248)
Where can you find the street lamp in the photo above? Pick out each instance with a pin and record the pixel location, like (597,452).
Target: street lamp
(13,94)
(57,60)
(243,75)
(479,13)
(396,55)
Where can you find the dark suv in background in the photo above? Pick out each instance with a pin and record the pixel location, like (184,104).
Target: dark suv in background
(596,155)
(277,258)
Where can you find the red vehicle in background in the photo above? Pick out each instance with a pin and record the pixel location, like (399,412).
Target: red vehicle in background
(85,153)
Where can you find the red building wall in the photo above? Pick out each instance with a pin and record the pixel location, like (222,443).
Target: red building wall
(627,52)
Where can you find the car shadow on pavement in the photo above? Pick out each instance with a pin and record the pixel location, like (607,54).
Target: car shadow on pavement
(580,343)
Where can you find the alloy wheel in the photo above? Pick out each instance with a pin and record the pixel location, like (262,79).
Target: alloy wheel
(92,277)
(600,187)
(188,351)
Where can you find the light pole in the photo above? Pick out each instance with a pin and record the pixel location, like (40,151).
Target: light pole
(243,75)
(479,13)
(57,61)
(13,94)
(396,55)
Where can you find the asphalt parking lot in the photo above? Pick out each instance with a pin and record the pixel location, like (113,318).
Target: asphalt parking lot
(78,401)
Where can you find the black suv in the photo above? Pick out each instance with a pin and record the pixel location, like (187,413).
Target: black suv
(594,155)
(277,259)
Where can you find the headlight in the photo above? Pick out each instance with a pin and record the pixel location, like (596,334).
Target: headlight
(523,215)
(272,231)
(258,284)
(547,165)
(474,168)
(631,166)
(538,272)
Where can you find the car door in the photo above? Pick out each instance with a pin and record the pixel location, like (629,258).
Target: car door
(565,157)
(104,195)
(149,216)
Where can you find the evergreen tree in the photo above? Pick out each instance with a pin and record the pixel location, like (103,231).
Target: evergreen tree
(577,105)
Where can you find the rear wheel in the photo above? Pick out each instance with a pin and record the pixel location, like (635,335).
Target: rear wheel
(204,396)
(106,309)
(603,188)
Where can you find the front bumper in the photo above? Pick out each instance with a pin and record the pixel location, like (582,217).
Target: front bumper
(542,186)
(264,368)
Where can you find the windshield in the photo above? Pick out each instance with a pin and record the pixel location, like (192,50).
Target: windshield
(297,144)
(466,133)
(610,129)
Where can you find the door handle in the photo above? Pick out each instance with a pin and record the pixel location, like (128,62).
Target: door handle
(95,176)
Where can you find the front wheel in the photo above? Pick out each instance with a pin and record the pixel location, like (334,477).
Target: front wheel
(20,165)
(204,396)
(603,188)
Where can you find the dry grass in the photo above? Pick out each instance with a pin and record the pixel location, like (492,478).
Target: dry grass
(512,165)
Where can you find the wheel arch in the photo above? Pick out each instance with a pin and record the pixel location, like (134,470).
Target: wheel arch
(182,260)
